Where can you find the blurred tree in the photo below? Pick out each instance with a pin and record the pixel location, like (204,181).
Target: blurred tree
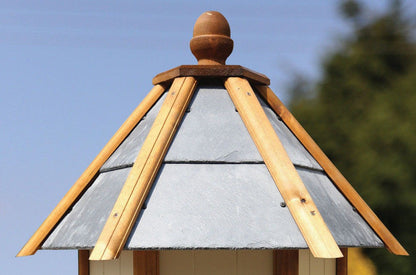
(358,264)
(362,112)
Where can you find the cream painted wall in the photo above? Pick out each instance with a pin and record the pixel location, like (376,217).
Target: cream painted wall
(309,265)
(218,262)
(122,266)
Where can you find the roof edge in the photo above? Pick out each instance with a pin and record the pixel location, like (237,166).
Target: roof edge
(391,243)
(34,243)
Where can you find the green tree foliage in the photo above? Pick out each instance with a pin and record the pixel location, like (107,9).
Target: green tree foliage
(362,112)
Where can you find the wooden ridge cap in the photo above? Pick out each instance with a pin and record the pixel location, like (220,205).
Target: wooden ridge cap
(210,71)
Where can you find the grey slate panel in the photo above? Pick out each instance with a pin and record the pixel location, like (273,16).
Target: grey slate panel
(210,206)
(211,132)
(128,150)
(296,151)
(218,206)
(213,191)
(83,224)
(345,224)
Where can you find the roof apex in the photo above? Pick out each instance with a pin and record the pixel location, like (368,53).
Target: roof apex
(211,43)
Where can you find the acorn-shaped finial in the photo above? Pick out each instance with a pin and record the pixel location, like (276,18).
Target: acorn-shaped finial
(211,43)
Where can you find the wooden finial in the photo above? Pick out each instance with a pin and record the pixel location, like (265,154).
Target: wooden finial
(211,43)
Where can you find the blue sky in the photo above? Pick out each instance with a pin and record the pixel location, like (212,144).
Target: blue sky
(72,71)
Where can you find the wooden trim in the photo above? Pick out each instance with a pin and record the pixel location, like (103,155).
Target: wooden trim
(211,71)
(339,180)
(297,198)
(145,262)
(138,183)
(83,262)
(286,262)
(342,263)
(71,196)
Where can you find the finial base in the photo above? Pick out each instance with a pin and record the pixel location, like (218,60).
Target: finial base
(211,49)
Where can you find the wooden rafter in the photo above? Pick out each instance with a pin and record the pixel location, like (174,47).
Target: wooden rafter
(297,198)
(138,183)
(71,196)
(334,174)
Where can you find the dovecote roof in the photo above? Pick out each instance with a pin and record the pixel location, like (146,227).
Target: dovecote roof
(211,159)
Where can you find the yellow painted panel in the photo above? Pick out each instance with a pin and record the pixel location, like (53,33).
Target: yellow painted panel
(259,262)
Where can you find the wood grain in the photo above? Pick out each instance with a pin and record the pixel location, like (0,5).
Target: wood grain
(211,71)
(141,176)
(211,42)
(342,263)
(286,262)
(334,174)
(72,195)
(145,262)
(297,198)
(83,262)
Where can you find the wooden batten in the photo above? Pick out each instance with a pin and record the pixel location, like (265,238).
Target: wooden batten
(335,175)
(138,183)
(145,262)
(71,196)
(286,262)
(83,262)
(342,263)
(297,198)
